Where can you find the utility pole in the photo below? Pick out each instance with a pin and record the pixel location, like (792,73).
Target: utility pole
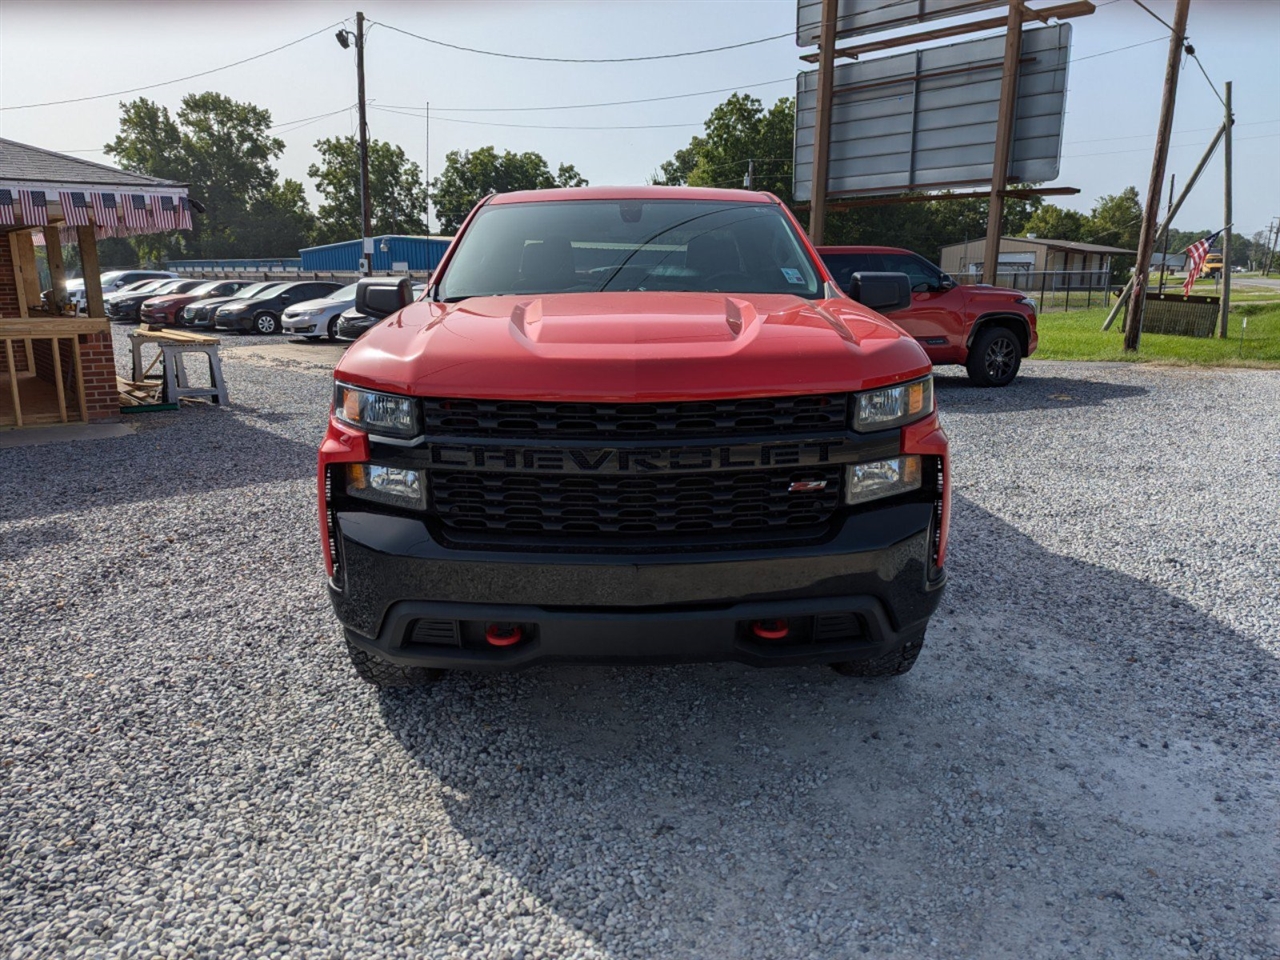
(822,120)
(1004,141)
(1168,216)
(1272,236)
(749,181)
(1226,217)
(1151,212)
(366,218)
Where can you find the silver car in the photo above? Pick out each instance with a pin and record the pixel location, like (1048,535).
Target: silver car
(318,318)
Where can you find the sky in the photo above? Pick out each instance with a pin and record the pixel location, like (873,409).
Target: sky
(108,46)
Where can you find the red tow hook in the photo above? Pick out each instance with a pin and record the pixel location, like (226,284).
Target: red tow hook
(770,629)
(503,634)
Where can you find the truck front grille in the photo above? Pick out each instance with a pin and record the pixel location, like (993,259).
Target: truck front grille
(784,416)
(517,504)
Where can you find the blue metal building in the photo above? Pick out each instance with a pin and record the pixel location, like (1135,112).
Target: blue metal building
(420,253)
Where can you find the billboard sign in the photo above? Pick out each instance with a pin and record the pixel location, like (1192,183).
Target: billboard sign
(867,16)
(927,119)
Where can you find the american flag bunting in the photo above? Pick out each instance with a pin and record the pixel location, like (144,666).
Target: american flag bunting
(6,206)
(184,213)
(1195,260)
(104,209)
(165,211)
(75,207)
(134,212)
(35,207)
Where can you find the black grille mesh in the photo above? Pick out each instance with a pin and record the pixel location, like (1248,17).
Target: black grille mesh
(692,503)
(721,418)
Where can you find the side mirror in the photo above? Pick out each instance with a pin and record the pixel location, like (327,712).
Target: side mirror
(882,292)
(947,283)
(383,296)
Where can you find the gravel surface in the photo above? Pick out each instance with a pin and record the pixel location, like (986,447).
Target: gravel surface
(1082,764)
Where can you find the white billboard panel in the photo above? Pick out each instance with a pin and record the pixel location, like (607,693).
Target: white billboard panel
(927,119)
(865,16)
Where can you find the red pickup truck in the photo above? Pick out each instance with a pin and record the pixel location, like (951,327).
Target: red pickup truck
(988,330)
(634,424)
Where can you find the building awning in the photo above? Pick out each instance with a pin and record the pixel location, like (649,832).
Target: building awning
(40,187)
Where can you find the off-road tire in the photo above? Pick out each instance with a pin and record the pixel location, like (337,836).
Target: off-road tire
(892,664)
(266,322)
(994,357)
(384,674)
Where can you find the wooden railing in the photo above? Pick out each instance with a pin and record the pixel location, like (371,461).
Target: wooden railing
(41,372)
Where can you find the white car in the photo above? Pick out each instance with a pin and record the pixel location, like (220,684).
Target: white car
(318,318)
(112,281)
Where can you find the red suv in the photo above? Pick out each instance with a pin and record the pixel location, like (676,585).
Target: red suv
(986,329)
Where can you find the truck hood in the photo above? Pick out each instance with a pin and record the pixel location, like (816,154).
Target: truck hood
(631,346)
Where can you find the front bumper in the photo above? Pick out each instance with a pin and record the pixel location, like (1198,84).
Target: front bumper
(241,322)
(873,576)
(298,325)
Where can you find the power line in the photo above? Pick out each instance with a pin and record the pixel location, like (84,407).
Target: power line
(165,83)
(1206,76)
(522,56)
(543,126)
(1168,26)
(582,106)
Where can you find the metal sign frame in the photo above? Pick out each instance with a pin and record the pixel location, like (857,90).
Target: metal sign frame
(854,17)
(927,119)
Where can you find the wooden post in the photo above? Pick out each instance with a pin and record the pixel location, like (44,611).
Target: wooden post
(27,262)
(1151,212)
(15,255)
(13,381)
(57,275)
(88,244)
(1004,141)
(1226,218)
(822,121)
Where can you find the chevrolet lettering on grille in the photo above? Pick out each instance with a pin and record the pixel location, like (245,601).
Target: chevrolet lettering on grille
(636,460)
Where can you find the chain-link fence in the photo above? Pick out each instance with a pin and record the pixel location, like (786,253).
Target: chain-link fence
(1056,289)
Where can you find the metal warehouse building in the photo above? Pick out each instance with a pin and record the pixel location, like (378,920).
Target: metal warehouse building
(390,254)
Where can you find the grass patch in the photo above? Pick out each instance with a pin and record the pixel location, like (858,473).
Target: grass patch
(1079,336)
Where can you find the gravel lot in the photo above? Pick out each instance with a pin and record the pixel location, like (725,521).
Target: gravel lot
(1083,763)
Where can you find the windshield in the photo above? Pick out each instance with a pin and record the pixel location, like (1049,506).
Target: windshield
(585,246)
(210,287)
(346,293)
(142,286)
(256,290)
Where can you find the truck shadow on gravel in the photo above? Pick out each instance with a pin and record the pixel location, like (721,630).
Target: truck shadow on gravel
(1081,765)
(196,451)
(957,392)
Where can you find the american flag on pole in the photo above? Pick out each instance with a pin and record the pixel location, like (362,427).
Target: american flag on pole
(104,209)
(6,206)
(35,207)
(1195,260)
(184,213)
(165,212)
(75,207)
(134,213)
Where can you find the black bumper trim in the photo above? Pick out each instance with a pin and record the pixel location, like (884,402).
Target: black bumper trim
(634,636)
(876,564)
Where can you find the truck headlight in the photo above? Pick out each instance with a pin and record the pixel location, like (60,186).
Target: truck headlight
(894,406)
(1030,302)
(882,478)
(394,486)
(374,412)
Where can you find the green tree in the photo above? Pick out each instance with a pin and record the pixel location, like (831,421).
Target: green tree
(1054,223)
(397,195)
(470,175)
(1115,220)
(741,137)
(222,148)
(279,223)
